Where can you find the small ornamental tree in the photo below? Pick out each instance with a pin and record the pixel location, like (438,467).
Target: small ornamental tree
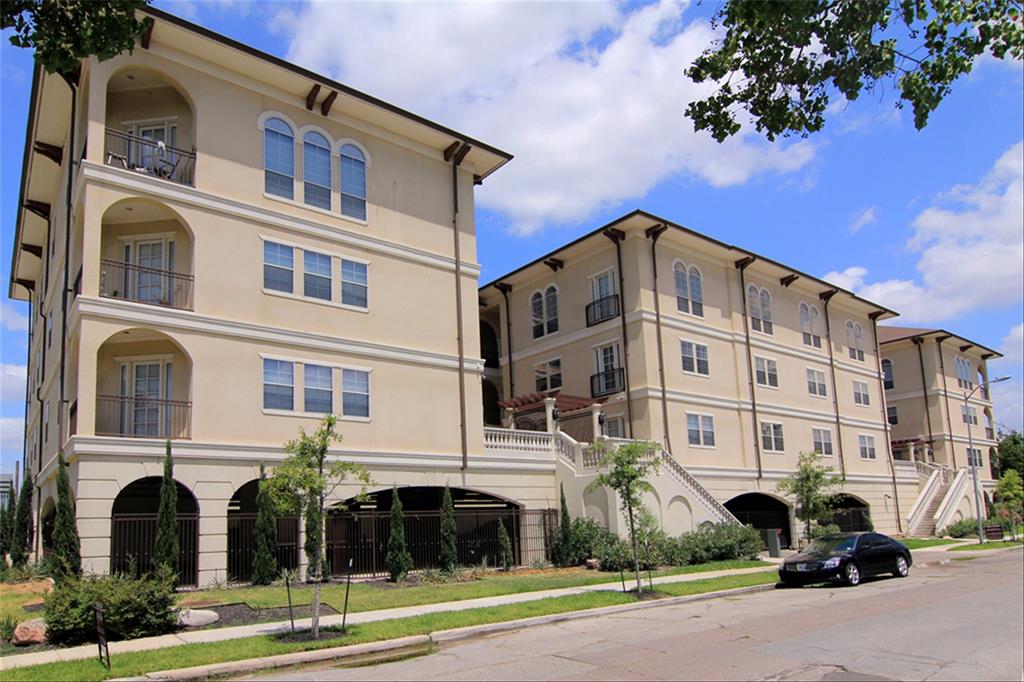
(625,472)
(812,486)
(302,483)
(398,559)
(20,537)
(67,549)
(1011,451)
(264,563)
(505,559)
(1010,500)
(563,541)
(165,546)
(449,558)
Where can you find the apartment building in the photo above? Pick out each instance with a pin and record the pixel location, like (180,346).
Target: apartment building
(219,248)
(734,362)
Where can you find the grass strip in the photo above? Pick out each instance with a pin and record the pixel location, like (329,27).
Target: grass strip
(188,655)
(975,547)
(921,543)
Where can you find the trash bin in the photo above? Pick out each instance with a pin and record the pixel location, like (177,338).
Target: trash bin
(774,544)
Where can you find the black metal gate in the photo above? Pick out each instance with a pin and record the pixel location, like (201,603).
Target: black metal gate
(242,545)
(132,539)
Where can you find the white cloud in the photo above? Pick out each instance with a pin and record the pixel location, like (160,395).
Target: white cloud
(1008,396)
(12,439)
(12,382)
(971,250)
(851,278)
(588,96)
(863,219)
(11,318)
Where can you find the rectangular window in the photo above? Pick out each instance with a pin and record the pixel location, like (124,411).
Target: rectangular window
(695,358)
(892,415)
(816,383)
(771,437)
(822,441)
(278,384)
(548,375)
(46,421)
(700,430)
(973,457)
(615,427)
(278,267)
(354,284)
(355,397)
(867,446)
(860,393)
(316,275)
(767,372)
(318,384)
(969,415)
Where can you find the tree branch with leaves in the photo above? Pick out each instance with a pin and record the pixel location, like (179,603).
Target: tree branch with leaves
(813,487)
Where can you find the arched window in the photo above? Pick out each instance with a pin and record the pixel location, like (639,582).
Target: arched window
(544,311)
(809,319)
(689,289)
(887,374)
(279,158)
(353,182)
(759,307)
(964,372)
(316,170)
(855,340)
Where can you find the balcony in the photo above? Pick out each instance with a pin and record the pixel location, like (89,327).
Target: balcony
(149,157)
(130,282)
(602,309)
(607,382)
(143,417)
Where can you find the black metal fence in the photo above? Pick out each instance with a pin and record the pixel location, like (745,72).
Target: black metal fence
(363,537)
(607,382)
(242,544)
(149,157)
(131,282)
(602,309)
(132,539)
(139,417)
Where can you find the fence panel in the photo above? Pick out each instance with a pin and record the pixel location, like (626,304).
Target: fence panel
(132,539)
(242,545)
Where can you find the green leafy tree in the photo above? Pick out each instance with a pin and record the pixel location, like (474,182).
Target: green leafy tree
(165,546)
(302,483)
(264,564)
(626,469)
(1011,451)
(449,558)
(813,487)
(67,548)
(563,541)
(505,558)
(64,32)
(22,534)
(1010,500)
(398,559)
(784,62)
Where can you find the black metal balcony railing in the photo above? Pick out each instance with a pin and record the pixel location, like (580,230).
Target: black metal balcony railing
(607,382)
(134,417)
(150,157)
(602,309)
(145,285)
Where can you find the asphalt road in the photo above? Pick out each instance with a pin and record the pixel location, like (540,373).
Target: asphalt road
(961,621)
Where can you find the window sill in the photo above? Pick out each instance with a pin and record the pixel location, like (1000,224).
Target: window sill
(316,209)
(696,374)
(313,415)
(317,301)
(768,386)
(702,447)
(819,397)
(773,452)
(770,335)
(684,313)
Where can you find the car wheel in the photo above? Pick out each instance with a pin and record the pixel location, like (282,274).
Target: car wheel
(852,574)
(902,568)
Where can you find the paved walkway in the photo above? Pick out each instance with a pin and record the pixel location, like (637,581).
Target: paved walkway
(238,632)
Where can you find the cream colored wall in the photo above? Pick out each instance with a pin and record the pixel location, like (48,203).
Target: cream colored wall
(128,107)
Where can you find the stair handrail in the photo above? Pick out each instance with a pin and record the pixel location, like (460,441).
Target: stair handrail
(570,450)
(923,500)
(945,511)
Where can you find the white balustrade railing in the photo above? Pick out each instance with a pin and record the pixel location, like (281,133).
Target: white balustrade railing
(944,514)
(515,441)
(931,487)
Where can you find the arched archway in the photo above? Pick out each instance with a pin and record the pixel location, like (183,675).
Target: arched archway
(489,348)
(492,411)
(47,517)
(763,512)
(851,513)
(133,529)
(241,535)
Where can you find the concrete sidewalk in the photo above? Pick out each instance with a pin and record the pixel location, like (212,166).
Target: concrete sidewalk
(238,632)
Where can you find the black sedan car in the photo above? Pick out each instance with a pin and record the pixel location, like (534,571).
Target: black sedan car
(846,557)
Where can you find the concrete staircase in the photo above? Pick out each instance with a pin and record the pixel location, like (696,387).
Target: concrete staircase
(926,525)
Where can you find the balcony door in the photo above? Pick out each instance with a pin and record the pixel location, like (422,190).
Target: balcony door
(150,148)
(602,286)
(145,389)
(606,361)
(148,281)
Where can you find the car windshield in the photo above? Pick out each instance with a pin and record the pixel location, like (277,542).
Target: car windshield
(833,543)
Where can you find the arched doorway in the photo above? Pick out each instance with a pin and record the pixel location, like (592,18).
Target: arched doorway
(763,512)
(492,411)
(47,517)
(133,529)
(489,349)
(241,540)
(361,532)
(851,514)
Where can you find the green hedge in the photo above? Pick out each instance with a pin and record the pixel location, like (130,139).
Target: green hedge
(967,527)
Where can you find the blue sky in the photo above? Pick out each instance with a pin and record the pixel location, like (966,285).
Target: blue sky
(589,97)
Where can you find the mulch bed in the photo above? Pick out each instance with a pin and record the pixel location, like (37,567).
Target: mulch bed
(307,635)
(243,614)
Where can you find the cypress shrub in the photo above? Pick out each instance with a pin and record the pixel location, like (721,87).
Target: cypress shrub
(7,526)
(505,559)
(562,551)
(264,564)
(449,558)
(67,550)
(22,524)
(398,559)
(165,548)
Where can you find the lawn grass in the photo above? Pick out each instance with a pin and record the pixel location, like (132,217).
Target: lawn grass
(999,544)
(921,543)
(13,596)
(371,596)
(188,655)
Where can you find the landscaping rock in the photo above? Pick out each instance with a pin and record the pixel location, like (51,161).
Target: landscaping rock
(593,564)
(30,632)
(195,618)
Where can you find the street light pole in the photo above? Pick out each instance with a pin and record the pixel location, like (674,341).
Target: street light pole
(977,460)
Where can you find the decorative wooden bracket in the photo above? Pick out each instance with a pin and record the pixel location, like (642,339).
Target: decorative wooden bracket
(311,97)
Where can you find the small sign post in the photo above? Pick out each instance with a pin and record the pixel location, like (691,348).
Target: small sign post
(288,587)
(348,584)
(101,635)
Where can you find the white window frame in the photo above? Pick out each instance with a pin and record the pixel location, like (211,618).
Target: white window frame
(341,278)
(544,369)
(369,394)
(298,264)
(759,322)
(892,415)
(264,383)
(696,363)
(969,415)
(771,367)
(811,331)
(593,282)
(306,387)
(866,446)
(978,459)
(777,433)
(546,317)
(888,383)
(824,437)
(620,422)
(861,393)
(817,384)
(855,340)
(686,302)
(701,431)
